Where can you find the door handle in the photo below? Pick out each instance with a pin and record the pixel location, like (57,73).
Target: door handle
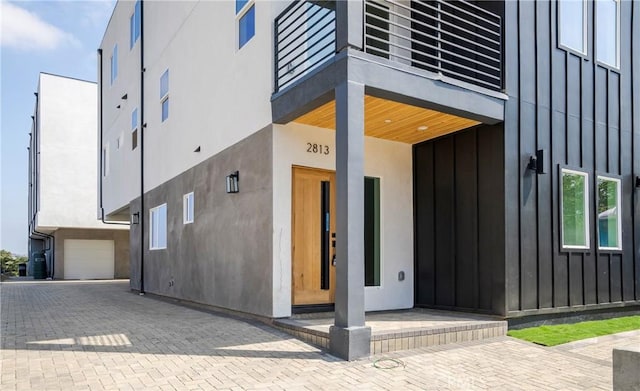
(325,223)
(333,245)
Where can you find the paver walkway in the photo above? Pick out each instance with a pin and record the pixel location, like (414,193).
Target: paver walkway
(98,335)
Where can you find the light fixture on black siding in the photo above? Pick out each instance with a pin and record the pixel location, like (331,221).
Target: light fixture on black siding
(232,182)
(135,218)
(536,162)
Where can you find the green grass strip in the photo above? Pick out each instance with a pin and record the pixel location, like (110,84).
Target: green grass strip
(563,333)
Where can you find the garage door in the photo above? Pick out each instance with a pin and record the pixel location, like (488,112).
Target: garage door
(88,259)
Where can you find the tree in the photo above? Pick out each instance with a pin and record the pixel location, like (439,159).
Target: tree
(9,262)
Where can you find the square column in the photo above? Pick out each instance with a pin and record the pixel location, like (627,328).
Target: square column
(349,338)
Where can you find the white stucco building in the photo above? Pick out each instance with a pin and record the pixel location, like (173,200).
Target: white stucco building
(63,195)
(264,150)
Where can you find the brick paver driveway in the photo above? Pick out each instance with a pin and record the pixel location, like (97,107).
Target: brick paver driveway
(98,335)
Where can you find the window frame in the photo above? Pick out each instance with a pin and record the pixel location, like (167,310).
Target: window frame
(618,180)
(134,128)
(154,227)
(240,14)
(585,30)
(134,25)
(615,67)
(114,64)
(188,205)
(242,3)
(587,211)
(164,98)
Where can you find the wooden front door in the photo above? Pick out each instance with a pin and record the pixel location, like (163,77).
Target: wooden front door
(313,237)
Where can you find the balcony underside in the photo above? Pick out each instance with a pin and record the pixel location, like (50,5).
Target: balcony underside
(392,120)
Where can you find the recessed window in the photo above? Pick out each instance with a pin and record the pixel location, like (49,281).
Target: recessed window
(158,225)
(575,207)
(134,129)
(247,26)
(187,208)
(371,231)
(134,25)
(609,223)
(164,94)
(114,63)
(608,32)
(105,160)
(572,25)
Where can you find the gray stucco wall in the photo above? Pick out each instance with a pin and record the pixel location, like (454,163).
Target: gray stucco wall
(134,248)
(121,244)
(224,258)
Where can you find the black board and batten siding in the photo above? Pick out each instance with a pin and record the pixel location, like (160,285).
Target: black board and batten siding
(459,221)
(585,116)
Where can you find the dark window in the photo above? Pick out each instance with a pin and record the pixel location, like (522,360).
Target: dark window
(134,139)
(371,231)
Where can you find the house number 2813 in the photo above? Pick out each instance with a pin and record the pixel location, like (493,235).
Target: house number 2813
(318,148)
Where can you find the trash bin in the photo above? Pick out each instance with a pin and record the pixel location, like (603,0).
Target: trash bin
(22,269)
(39,266)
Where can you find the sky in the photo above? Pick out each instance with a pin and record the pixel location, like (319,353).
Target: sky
(59,37)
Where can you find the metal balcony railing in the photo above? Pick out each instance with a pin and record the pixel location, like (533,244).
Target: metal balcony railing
(305,36)
(457,39)
(454,38)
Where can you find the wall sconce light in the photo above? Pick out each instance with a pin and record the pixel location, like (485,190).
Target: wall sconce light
(637,181)
(124,97)
(536,163)
(232,182)
(135,218)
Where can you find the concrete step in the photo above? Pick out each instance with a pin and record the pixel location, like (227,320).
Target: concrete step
(401,330)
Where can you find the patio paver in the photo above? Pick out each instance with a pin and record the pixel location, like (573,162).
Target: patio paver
(100,336)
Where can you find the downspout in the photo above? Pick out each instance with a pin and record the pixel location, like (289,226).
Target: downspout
(100,151)
(142,127)
(51,240)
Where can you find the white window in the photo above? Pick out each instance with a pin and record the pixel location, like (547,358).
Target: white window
(164,94)
(114,63)
(158,227)
(609,208)
(187,208)
(119,142)
(105,160)
(575,208)
(608,32)
(134,25)
(572,25)
(134,128)
(246,16)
